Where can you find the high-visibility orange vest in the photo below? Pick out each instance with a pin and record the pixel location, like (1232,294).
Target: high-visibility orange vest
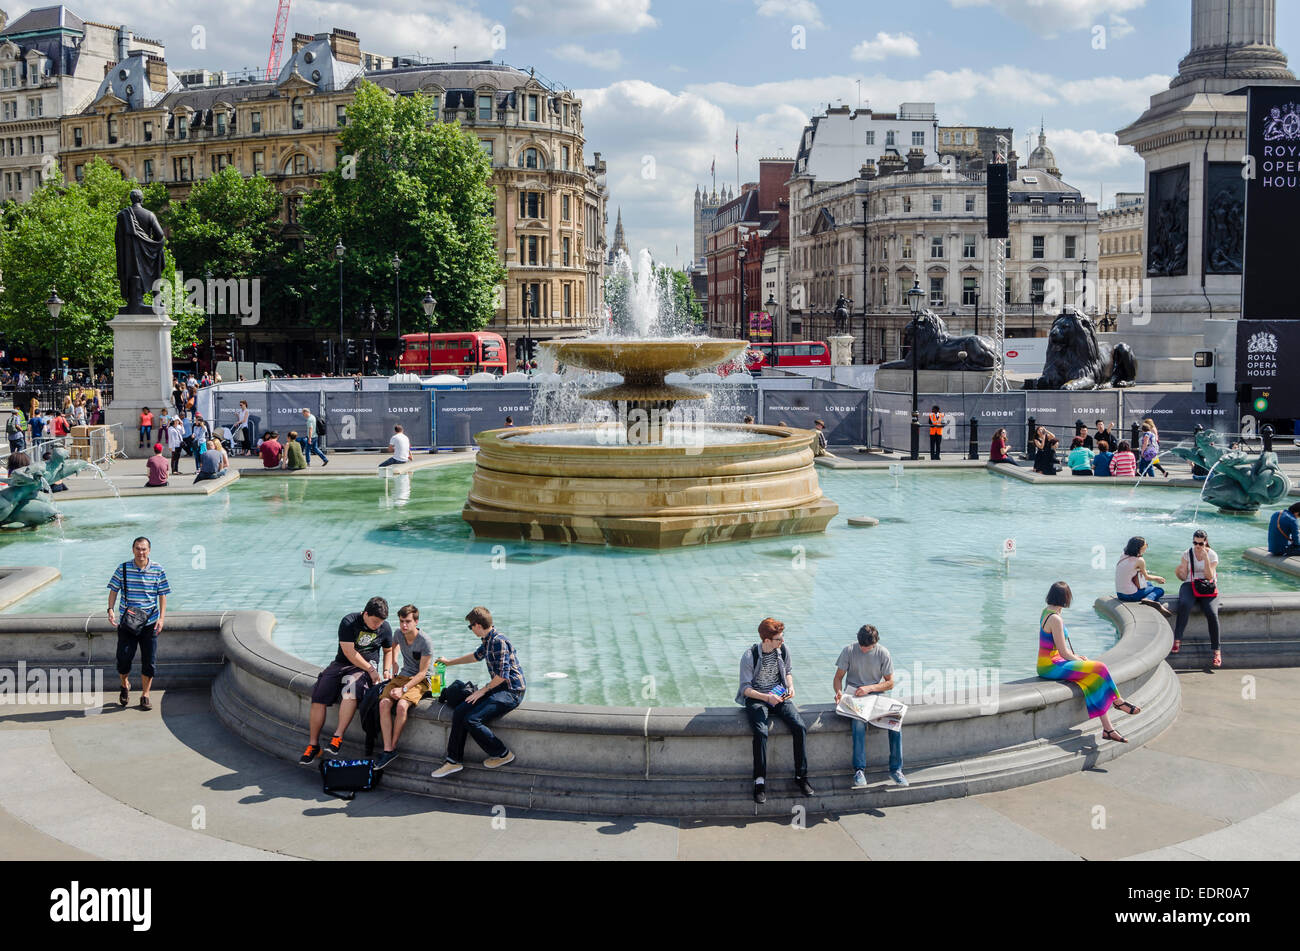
(936,424)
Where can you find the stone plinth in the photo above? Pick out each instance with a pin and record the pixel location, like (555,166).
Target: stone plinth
(142,372)
(933,381)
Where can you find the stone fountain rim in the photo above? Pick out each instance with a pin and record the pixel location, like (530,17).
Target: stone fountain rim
(785,437)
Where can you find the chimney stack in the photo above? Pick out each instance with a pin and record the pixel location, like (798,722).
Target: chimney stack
(156,71)
(915,159)
(346,46)
(123,43)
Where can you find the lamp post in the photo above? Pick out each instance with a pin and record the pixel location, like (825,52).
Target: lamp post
(771,326)
(977,306)
(339,251)
(55,304)
(397,302)
(1083,307)
(914,298)
(865,297)
(207,287)
(740,316)
(528,329)
(428,303)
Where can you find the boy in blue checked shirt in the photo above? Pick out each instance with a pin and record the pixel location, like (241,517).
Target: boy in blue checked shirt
(143,584)
(495,699)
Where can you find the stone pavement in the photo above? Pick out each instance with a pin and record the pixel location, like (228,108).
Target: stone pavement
(1222,783)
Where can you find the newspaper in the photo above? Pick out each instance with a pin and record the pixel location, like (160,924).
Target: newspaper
(874,708)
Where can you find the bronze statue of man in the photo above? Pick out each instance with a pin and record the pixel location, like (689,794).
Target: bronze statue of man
(139,241)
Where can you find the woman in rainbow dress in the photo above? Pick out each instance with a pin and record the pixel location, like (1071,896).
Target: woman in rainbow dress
(1056,661)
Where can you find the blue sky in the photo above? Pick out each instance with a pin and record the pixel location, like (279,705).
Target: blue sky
(667,83)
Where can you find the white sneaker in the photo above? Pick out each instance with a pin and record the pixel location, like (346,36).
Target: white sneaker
(859,780)
(445,770)
(492,762)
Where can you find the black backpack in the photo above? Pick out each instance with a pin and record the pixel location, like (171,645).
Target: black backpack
(758,654)
(454,694)
(320,426)
(345,778)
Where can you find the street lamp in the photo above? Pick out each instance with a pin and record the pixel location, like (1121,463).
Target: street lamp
(339,251)
(397,300)
(428,303)
(55,304)
(1084,302)
(740,316)
(528,329)
(207,287)
(771,326)
(914,298)
(977,306)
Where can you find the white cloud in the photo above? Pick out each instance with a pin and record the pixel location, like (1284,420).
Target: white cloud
(886,45)
(596,59)
(584,16)
(796,11)
(1049,17)
(1129,95)
(1120,27)
(1088,158)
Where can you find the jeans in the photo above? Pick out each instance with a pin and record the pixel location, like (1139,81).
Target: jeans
(390,461)
(860,747)
(309,446)
(759,717)
(1149,593)
(935,443)
(146,641)
(472,719)
(146,433)
(176,460)
(1209,607)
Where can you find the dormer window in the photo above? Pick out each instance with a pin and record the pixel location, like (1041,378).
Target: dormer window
(532,108)
(148,131)
(221,123)
(485,106)
(112,131)
(297,112)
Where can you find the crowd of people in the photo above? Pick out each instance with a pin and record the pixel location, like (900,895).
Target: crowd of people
(32,427)
(1101,454)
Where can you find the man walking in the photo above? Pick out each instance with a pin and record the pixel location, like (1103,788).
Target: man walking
(767,690)
(175,443)
(310,441)
(870,670)
(495,699)
(143,585)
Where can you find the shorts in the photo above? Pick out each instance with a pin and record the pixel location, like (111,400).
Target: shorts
(413,693)
(340,681)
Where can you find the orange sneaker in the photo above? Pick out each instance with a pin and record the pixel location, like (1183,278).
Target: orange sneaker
(309,754)
(333,746)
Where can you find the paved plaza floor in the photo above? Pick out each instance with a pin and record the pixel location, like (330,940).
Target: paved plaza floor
(1222,783)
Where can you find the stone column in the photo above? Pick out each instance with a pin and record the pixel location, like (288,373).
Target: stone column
(142,373)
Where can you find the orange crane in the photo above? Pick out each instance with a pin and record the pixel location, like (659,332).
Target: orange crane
(277,40)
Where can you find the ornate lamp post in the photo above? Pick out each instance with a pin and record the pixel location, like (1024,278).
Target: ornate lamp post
(977,306)
(914,298)
(740,315)
(771,318)
(429,304)
(528,329)
(339,251)
(55,304)
(397,300)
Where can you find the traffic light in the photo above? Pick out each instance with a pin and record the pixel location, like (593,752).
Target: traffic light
(351,348)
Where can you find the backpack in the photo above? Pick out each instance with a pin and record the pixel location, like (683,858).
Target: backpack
(13,426)
(345,778)
(757,652)
(454,694)
(320,427)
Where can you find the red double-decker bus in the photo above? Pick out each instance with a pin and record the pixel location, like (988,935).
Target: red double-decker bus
(459,354)
(810,353)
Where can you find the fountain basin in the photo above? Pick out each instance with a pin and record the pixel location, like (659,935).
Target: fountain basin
(645,496)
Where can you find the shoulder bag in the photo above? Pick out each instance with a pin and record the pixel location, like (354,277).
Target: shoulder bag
(1201,587)
(133,620)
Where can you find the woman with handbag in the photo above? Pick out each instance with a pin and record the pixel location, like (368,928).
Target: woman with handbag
(1199,572)
(1150,449)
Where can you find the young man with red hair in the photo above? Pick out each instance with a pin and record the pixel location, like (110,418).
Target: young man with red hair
(767,690)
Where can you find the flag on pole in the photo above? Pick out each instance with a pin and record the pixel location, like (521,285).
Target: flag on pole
(737,140)
(713,169)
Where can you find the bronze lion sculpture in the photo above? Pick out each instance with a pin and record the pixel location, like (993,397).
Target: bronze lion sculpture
(936,350)
(1076,361)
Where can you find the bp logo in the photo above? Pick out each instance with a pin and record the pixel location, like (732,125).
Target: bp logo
(1262,343)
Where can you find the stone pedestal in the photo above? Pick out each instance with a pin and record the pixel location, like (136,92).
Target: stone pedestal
(142,373)
(933,381)
(841,350)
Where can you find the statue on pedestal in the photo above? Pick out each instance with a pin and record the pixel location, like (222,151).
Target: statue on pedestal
(1076,361)
(938,350)
(139,241)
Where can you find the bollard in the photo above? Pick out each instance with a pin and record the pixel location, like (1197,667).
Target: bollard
(974,438)
(1135,436)
(1030,431)
(1267,433)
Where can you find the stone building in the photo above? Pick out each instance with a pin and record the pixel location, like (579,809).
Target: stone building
(706,206)
(973,148)
(1119,272)
(550,204)
(834,146)
(1193,138)
(51,63)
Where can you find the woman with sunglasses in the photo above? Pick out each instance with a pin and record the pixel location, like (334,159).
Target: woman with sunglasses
(1199,572)
(1057,661)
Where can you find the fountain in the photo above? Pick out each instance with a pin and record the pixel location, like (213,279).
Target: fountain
(655,477)
(27,502)
(1235,482)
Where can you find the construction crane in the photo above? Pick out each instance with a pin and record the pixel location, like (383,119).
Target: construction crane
(277,40)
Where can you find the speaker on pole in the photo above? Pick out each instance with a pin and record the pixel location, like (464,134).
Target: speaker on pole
(999,225)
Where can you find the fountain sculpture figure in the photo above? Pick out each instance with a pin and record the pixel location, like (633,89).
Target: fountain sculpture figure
(1238,482)
(27,501)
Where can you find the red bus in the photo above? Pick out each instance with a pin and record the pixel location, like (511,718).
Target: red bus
(811,353)
(460,354)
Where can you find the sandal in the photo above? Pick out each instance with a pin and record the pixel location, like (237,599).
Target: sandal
(1125,707)
(1175,650)
(124,696)
(1113,735)
(1218,659)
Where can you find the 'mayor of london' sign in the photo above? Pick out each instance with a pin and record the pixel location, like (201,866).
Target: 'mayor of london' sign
(1272,170)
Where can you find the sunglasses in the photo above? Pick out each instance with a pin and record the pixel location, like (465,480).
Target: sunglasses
(1200,544)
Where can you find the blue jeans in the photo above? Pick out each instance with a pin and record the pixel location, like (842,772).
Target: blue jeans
(1149,593)
(860,747)
(309,446)
(472,719)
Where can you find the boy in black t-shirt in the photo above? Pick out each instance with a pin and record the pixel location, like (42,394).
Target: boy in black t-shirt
(356,667)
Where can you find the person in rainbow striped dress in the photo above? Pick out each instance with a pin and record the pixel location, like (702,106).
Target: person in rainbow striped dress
(1056,661)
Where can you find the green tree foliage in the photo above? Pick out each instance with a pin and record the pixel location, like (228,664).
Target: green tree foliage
(63,238)
(228,224)
(411,185)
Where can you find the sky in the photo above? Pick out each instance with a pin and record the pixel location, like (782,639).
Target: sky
(668,84)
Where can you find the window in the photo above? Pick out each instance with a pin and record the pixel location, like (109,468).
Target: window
(182,168)
(1036,289)
(936,292)
(890,138)
(566,114)
(112,130)
(148,170)
(947,138)
(907,248)
(529,246)
(299,164)
(568,299)
(1006,292)
(255,123)
(532,108)
(564,207)
(564,258)
(297,112)
(907,204)
(871,137)
(340,116)
(35,107)
(259,162)
(936,247)
(564,157)
(487,146)
(1070,246)
(485,106)
(968,292)
(1040,247)
(220,161)
(970,202)
(532,205)
(148,131)
(79,172)
(918,138)
(936,203)
(76,136)
(221,123)
(9,182)
(968,247)
(434,102)
(182,126)
(530,159)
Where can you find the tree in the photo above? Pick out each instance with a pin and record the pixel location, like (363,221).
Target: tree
(411,185)
(228,224)
(63,238)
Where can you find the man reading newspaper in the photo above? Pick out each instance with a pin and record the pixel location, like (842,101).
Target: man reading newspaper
(870,673)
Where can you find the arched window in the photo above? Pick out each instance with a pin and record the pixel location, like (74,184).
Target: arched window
(297,164)
(531,158)
(297,112)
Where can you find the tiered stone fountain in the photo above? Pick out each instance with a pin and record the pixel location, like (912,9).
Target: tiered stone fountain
(646,481)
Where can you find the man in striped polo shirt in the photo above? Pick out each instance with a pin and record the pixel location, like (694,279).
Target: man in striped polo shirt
(143,584)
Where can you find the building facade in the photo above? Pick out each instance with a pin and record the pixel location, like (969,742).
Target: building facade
(834,146)
(1120,273)
(550,203)
(51,63)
